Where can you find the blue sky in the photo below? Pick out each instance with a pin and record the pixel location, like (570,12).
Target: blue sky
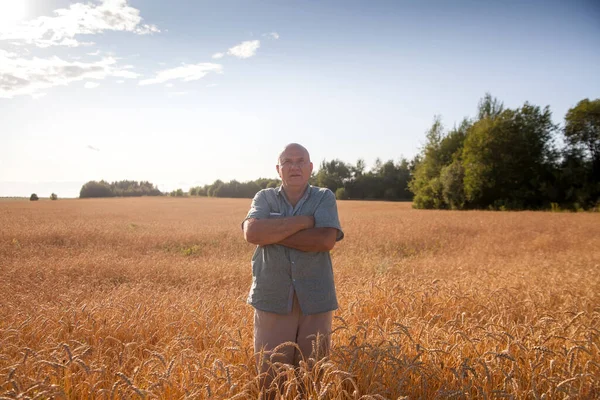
(137,89)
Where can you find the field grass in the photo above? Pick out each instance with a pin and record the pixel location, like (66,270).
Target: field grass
(145,297)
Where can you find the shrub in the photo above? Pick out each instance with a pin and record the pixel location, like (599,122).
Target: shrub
(34,197)
(96,189)
(53,196)
(341,194)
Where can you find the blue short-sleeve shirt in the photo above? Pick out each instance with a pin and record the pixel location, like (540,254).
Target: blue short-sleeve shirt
(278,271)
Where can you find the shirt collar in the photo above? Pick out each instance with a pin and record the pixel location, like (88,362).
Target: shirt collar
(305,196)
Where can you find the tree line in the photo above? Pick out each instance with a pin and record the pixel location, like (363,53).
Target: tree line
(124,188)
(501,159)
(509,159)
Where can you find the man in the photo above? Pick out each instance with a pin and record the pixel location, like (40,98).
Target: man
(293,293)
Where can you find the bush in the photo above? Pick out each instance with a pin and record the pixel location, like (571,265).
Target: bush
(177,193)
(96,189)
(53,196)
(341,194)
(34,197)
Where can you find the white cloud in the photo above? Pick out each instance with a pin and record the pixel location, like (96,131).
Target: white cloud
(218,55)
(95,53)
(29,76)
(185,73)
(120,81)
(245,49)
(36,96)
(212,85)
(79,19)
(91,85)
(273,35)
(169,85)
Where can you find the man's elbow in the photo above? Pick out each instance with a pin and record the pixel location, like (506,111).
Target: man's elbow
(330,245)
(329,241)
(252,235)
(248,237)
(250,232)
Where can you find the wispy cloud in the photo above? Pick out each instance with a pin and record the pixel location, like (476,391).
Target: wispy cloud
(92,147)
(245,49)
(78,19)
(185,73)
(272,35)
(91,85)
(28,76)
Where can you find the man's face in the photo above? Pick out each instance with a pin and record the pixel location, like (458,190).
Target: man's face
(294,167)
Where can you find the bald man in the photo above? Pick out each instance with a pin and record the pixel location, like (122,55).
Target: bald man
(293,292)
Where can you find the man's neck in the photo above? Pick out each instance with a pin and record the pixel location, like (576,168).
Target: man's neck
(294,194)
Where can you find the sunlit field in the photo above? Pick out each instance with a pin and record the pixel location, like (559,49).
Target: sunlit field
(145,297)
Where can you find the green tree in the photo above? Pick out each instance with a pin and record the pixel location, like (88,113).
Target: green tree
(489,107)
(576,187)
(33,197)
(425,183)
(341,194)
(582,130)
(509,159)
(53,196)
(96,189)
(582,155)
(358,169)
(120,188)
(452,180)
(333,174)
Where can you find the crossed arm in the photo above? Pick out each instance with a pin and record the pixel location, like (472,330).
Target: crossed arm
(296,232)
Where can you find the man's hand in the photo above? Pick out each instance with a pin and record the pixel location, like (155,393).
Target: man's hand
(263,232)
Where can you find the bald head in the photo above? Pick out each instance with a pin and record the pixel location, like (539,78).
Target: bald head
(293,147)
(294,167)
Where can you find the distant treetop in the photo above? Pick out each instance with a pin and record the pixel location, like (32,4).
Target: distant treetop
(118,189)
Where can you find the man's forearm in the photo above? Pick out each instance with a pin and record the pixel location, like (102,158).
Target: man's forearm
(269,231)
(314,239)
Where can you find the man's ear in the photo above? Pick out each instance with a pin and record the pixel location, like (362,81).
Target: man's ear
(278,172)
(311,168)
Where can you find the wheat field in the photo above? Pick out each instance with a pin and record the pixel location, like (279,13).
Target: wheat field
(145,298)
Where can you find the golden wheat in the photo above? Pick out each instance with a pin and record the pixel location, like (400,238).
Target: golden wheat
(145,298)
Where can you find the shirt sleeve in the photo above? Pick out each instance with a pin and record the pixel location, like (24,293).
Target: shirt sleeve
(259,209)
(326,215)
